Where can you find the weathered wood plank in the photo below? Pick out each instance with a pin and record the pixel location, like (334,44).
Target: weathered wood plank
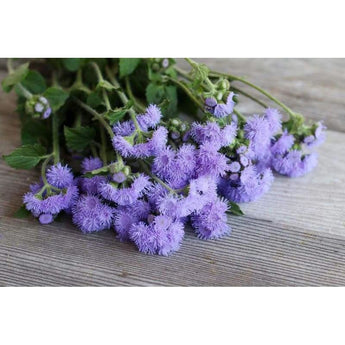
(294,235)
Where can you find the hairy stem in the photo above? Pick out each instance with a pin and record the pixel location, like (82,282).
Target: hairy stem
(98,116)
(55,130)
(244,81)
(236,90)
(123,98)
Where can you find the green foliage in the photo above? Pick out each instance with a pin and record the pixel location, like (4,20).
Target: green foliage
(77,139)
(56,97)
(128,66)
(94,99)
(22,212)
(25,157)
(34,131)
(71,64)
(15,77)
(158,93)
(118,114)
(34,82)
(235,209)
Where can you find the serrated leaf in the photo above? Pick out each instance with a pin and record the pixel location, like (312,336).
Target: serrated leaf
(79,138)
(128,66)
(25,157)
(34,82)
(154,93)
(235,209)
(56,97)
(71,64)
(22,212)
(15,77)
(116,115)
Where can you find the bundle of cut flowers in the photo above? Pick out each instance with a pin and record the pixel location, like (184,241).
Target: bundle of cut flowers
(146,148)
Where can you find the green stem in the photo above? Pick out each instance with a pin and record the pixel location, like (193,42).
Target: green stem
(188,92)
(98,116)
(123,98)
(236,90)
(183,73)
(138,104)
(27,94)
(103,152)
(239,115)
(44,168)
(98,71)
(155,178)
(55,130)
(244,81)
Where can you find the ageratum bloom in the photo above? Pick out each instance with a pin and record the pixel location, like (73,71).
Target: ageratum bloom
(162,236)
(246,186)
(220,110)
(128,195)
(91,215)
(211,221)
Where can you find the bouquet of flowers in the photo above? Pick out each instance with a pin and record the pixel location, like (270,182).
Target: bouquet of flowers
(145,148)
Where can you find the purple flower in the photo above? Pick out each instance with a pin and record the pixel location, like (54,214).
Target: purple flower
(162,236)
(283,143)
(211,133)
(125,196)
(273,118)
(52,203)
(91,185)
(220,110)
(124,128)
(42,108)
(257,130)
(46,218)
(210,161)
(142,150)
(59,176)
(126,216)
(151,117)
(248,186)
(294,163)
(89,164)
(119,177)
(319,136)
(90,214)
(211,221)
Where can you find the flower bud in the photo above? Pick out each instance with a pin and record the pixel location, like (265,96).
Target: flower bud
(38,107)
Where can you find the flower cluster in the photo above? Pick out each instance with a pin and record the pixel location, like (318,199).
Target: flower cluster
(156,173)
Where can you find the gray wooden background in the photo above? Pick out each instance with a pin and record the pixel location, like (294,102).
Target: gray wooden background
(293,236)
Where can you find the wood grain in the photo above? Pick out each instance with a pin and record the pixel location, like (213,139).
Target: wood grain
(293,236)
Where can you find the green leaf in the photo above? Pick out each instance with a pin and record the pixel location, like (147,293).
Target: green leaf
(235,209)
(34,82)
(156,93)
(33,131)
(94,100)
(25,157)
(56,97)
(127,66)
(15,77)
(22,212)
(116,115)
(78,138)
(71,64)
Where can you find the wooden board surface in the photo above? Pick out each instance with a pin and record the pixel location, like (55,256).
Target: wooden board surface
(294,235)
